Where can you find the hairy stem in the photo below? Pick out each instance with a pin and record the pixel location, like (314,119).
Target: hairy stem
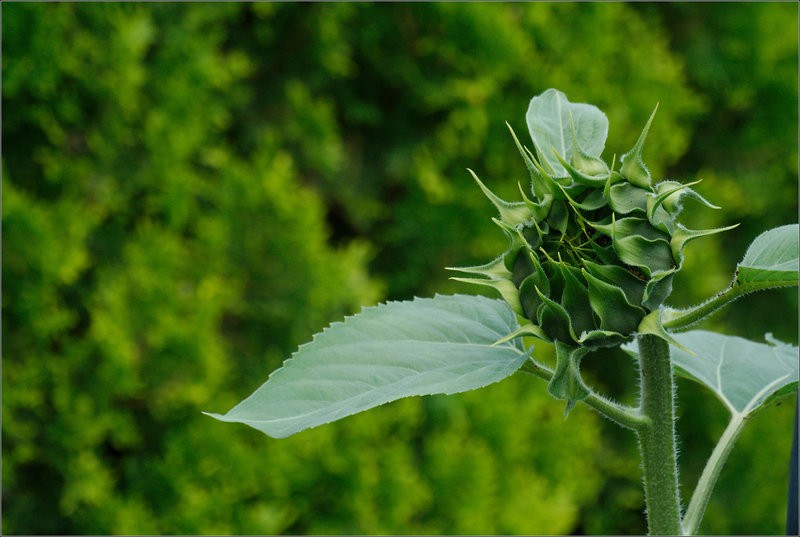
(657,439)
(622,415)
(705,485)
(681,319)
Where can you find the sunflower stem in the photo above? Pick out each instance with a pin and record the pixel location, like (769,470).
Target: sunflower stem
(657,439)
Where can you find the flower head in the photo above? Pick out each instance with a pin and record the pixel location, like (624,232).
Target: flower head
(592,250)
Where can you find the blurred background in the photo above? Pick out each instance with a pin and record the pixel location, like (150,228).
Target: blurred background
(190,191)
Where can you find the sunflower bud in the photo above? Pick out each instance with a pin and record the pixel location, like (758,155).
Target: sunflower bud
(592,250)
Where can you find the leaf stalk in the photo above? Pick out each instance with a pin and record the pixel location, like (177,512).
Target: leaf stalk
(625,416)
(682,319)
(705,485)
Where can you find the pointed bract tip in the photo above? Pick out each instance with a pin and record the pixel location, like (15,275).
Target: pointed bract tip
(568,407)
(652,324)
(633,167)
(511,213)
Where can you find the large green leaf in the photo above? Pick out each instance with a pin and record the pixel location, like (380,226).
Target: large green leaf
(743,374)
(548,120)
(425,346)
(772,257)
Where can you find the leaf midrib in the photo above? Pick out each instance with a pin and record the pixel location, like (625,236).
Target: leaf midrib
(362,394)
(561,128)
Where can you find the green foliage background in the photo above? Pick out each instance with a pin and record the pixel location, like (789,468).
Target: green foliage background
(189,191)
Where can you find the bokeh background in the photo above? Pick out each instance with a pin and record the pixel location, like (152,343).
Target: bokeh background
(189,191)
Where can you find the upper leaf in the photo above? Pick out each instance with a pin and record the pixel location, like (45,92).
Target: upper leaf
(771,261)
(548,120)
(425,346)
(743,374)
(772,257)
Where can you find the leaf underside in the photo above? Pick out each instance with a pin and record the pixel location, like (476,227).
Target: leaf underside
(743,374)
(399,349)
